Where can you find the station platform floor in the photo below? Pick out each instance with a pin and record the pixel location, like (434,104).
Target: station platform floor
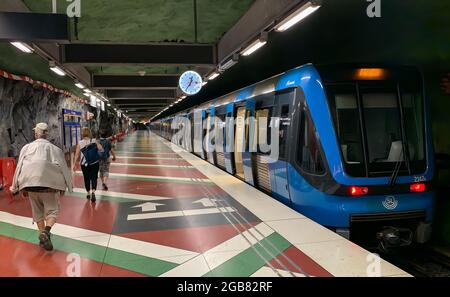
(169,213)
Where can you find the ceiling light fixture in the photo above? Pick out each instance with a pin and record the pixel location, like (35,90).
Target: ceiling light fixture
(23,47)
(87,91)
(255,45)
(79,85)
(229,63)
(213,75)
(298,15)
(56,69)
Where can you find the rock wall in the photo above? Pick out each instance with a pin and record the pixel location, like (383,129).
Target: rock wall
(22,105)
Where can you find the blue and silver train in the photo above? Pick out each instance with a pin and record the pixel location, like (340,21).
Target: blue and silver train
(355,148)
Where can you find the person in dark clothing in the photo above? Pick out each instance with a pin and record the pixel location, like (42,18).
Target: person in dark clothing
(106,161)
(87,152)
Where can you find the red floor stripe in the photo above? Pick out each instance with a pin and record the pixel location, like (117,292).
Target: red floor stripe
(302,260)
(21,258)
(73,211)
(149,155)
(155,188)
(198,239)
(171,172)
(179,162)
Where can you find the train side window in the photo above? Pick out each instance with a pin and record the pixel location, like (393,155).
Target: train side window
(309,155)
(284,125)
(262,130)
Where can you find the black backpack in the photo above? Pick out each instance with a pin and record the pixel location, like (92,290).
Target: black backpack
(91,153)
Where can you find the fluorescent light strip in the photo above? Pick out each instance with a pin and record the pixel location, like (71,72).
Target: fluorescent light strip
(23,47)
(58,71)
(79,85)
(87,91)
(213,75)
(256,45)
(297,16)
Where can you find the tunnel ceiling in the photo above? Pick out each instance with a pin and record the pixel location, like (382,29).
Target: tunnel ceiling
(151,21)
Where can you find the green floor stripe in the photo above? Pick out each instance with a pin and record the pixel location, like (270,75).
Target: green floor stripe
(248,262)
(64,244)
(18,233)
(166,180)
(137,263)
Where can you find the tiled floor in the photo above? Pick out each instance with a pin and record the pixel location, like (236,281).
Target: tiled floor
(169,213)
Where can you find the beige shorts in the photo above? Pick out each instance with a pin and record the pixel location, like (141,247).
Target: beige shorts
(44,205)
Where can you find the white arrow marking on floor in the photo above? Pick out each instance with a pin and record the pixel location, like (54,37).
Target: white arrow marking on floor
(179,213)
(148,206)
(207,202)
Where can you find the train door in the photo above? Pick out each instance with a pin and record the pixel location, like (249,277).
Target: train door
(199,116)
(247,154)
(209,137)
(229,138)
(239,142)
(219,128)
(284,105)
(191,135)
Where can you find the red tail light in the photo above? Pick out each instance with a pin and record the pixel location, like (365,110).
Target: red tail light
(417,187)
(358,191)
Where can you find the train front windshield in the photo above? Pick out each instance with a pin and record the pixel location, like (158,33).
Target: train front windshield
(378,124)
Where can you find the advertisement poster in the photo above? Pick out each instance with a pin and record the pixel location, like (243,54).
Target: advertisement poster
(74,136)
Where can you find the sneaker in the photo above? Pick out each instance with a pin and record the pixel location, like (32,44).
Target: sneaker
(88,196)
(45,241)
(93,199)
(105,187)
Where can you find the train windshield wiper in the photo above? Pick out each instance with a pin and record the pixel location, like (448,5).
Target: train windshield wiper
(395,172)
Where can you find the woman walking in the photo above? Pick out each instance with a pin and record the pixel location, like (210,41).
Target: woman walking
(88,149)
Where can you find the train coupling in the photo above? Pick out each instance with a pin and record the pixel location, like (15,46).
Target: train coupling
(391,237)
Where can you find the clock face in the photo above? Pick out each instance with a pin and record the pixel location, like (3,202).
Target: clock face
(190,82)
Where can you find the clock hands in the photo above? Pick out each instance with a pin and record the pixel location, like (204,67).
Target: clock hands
(190,82)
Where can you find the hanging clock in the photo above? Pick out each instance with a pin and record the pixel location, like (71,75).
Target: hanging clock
(190,82)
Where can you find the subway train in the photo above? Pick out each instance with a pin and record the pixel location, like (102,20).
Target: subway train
(354,146)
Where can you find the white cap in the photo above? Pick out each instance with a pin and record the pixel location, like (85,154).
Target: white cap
(41,127)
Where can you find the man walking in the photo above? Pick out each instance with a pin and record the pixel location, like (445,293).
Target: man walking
(42,175)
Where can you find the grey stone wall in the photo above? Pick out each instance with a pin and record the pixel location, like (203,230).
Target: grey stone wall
(22,105)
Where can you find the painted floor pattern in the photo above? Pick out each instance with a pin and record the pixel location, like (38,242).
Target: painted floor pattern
(169,213)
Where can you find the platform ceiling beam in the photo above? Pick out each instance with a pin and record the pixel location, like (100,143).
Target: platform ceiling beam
(141,102)
(151,54)
(135,81)
(144,107)
(33,27)
(140,94)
